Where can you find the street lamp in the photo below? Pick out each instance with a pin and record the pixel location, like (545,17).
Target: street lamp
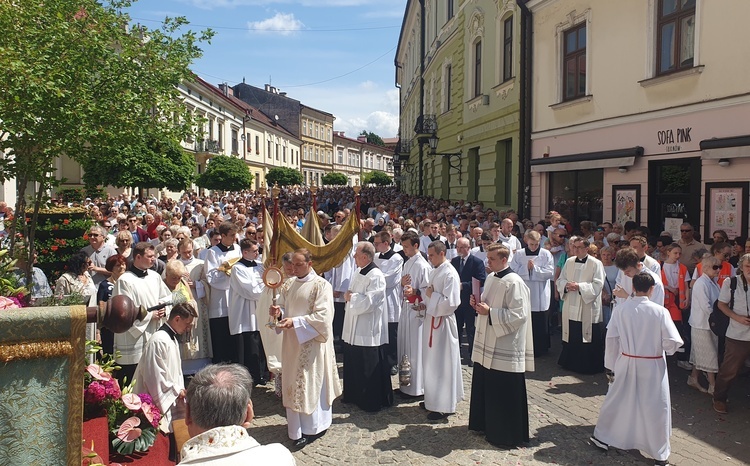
(454,158)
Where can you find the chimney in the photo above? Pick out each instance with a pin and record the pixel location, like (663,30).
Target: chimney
(268,88)
(362,138)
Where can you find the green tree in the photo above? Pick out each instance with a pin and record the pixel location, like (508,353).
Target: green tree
(283,176)
(377,178)
(226,173)
(335,179)
(76,76)
(148,164)
(373,138)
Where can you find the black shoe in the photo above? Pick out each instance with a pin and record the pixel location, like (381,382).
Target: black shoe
(394,370)
(661,463)
(470,363)
(435,416)
(421,405)
(300,443)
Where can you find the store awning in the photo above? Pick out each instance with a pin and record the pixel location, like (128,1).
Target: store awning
(588,160)
(725,148)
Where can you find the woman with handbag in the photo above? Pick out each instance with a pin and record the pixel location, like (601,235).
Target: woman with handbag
(738,333)
(704,353)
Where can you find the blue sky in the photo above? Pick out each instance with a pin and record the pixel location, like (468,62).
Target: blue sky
(333,55)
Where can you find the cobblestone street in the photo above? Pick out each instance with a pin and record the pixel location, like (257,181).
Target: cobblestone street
(563,409)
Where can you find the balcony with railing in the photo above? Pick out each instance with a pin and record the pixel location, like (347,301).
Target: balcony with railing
(208,146)
(426,124)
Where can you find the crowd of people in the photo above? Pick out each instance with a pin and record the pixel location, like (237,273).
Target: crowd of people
(428,285)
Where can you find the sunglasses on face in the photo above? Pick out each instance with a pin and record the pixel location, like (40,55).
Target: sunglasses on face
(716,267)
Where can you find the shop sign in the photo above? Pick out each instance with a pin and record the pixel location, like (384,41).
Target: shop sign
(672,138)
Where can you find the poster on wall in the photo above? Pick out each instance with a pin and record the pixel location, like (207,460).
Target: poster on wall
(672,225)
(726,208)
(626,203)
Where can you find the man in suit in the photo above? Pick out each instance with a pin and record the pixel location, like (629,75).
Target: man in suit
(468,268)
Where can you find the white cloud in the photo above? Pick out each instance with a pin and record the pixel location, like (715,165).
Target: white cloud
(284,24)
(368,86)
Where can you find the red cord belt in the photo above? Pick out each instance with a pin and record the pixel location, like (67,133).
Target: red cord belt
(432,327)
(642,357)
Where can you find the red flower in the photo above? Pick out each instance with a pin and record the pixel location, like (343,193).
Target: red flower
(86,236)
(54,247)
(66,221)
(55,227)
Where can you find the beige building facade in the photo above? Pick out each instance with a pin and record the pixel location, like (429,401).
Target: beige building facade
(356,157)
(639,113)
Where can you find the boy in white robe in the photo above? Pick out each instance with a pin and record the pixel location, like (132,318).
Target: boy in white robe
(245,288)
(217,257)
(390,264)
(637,412)
(414,280)
(160,371)
(443,383)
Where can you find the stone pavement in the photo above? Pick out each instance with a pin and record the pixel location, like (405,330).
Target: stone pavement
(563,409)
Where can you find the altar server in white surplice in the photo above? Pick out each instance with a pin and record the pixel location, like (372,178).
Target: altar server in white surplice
(390,264)
(146,288)
(224,347)
(503,351)
(160,371)
(414,279)
(367,378)
(580,286)
(637,414)
(310,382)
(339,278)
(630,265)
(443,384)
(245,288)
(536,266)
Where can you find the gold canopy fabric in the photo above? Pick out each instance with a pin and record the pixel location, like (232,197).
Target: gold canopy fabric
(311,229)
(324,257)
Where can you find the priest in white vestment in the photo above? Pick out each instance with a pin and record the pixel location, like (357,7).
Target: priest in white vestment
(367,378)
(160,371)
(503,351)
(536,266)
(637,413)
(414,280)
(196,350)
(443,383)
(310,382)
(224,347)
(390,264)
(580,286)
(245,288)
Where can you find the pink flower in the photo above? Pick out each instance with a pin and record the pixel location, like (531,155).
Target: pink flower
(113,389)
(131,401)
(129,430)
(146,410)
(146,398)
(7,303)
(94,393)
(98,373)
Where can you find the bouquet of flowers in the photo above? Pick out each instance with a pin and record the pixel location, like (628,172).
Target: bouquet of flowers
(133,422)
(133,419)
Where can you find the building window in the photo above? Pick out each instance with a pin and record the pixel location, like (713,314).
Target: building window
(269,149)
(508,49)
(220,135)
(577,195)
(283,154)
(317,155)
(675,35)
(450,11)
(477,69)
(210,129)
(574,63)
(257,144)
(448,82)
(340,153)
(277,152)
(304,126)
(235,142)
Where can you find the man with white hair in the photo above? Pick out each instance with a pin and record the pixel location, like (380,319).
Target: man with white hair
(219,407)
